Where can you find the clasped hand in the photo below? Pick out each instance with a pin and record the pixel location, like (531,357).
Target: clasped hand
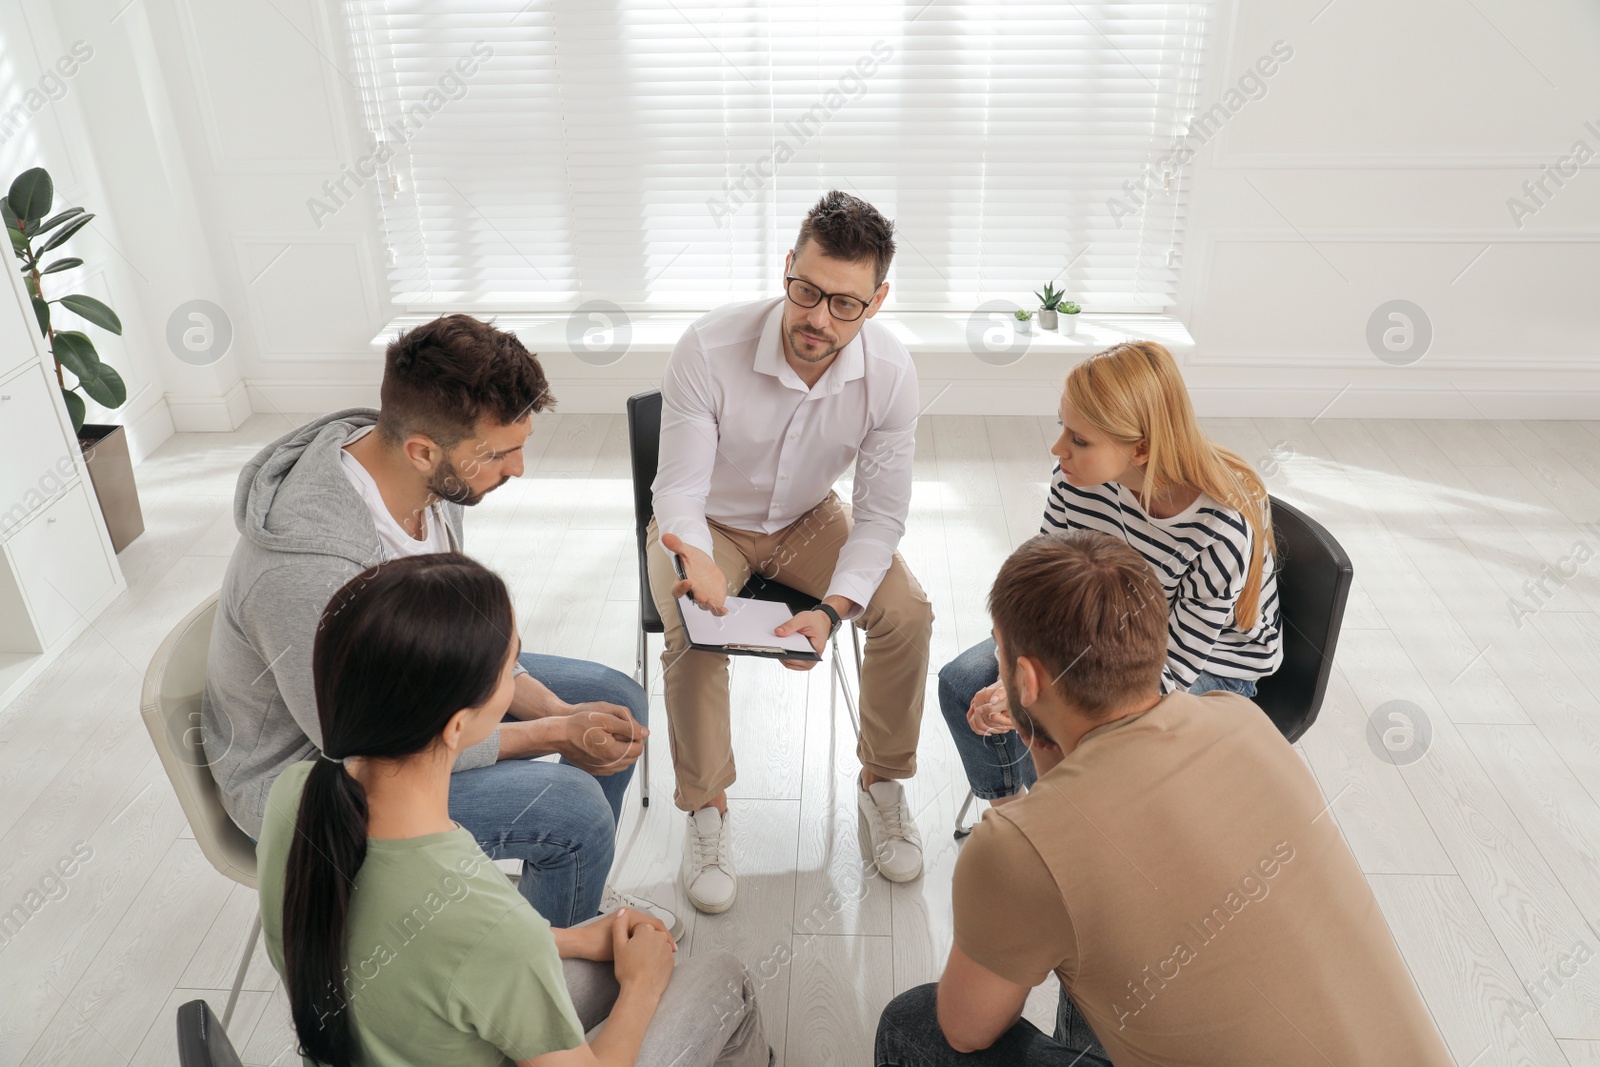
(601,738)
(638,944)
(989,713)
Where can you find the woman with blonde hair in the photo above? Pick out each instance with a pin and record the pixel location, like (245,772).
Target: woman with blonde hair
(1132,462)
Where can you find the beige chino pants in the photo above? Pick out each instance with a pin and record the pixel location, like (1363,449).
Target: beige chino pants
(898,622)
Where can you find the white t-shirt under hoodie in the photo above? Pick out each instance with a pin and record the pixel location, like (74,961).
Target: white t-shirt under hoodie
(391,535)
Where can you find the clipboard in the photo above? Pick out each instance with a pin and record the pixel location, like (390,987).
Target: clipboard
(749,619)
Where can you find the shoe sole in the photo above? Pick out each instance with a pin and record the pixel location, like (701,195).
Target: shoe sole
(864,839)
(711,909)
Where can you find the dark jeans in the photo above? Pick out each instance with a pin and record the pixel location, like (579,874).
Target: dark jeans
(999,765)
(559,820)
(909,1036)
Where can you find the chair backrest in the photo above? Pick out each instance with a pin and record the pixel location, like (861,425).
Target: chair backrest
(1314,575)
(170,706)
(201,1040)
(644,451)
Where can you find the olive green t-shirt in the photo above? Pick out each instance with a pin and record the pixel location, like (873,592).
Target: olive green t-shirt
(446,963)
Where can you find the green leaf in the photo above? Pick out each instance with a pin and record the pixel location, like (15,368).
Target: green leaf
(19,242)
(31,195)
(76,353)
(62,264)
(106,388)
(65,232)
(55,220)
(75,408)
(41,311)
(89,308)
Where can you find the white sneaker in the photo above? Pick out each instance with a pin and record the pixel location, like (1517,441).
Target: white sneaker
(612,900)
(889,831)
(708,875)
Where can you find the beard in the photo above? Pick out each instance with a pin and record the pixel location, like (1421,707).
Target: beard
(447,484)
(1026,725)
(795,333)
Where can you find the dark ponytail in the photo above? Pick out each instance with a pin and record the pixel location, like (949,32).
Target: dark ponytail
(400,649)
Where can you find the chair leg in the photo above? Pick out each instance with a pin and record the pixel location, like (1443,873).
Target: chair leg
(643,678)
(644,650)
(843,681)
(962,828)
(644,775)
(244,965)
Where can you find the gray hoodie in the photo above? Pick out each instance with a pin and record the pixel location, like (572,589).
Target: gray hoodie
(304,532)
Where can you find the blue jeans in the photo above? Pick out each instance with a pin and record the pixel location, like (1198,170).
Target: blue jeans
(560,820)
(999,765)
(578,681)
(909,1036)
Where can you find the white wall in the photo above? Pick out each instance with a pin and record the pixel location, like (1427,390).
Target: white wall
(1376,166)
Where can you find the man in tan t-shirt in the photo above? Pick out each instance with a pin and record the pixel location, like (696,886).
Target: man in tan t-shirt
(1175,865)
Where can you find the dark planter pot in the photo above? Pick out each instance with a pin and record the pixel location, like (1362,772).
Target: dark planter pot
(105,449)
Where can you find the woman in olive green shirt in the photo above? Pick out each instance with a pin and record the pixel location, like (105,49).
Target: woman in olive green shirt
(398,939)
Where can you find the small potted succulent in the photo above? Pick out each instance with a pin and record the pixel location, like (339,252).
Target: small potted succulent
(1024,319)
(1069,318)
(1049,301)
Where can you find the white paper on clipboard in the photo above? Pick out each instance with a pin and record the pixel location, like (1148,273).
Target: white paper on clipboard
(748,623)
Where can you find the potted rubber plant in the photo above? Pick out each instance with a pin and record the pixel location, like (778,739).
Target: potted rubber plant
(1069,318)
(36,234)
(1024,319)
(1049,301)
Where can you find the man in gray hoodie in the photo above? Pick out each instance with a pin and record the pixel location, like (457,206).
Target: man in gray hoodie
(324,502)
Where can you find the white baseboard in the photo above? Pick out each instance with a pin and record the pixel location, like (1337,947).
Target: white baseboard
(211,414)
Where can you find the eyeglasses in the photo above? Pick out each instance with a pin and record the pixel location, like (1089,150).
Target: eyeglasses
(841,306)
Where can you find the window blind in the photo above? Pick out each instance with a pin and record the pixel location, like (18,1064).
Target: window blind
(661,153)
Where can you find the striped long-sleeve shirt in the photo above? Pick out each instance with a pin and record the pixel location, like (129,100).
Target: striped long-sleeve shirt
(1202,556)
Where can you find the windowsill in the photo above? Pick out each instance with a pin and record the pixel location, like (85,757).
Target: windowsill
(931,333)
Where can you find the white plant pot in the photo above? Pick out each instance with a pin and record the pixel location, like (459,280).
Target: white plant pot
(1023,325)
(1069,325)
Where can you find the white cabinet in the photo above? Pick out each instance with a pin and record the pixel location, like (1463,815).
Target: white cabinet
(57,569)
(37,465)
(59,563)
(18,326)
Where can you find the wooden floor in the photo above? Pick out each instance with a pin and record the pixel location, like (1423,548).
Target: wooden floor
(1484,853)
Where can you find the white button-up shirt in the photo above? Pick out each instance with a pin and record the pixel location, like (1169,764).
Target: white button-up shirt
(743,441)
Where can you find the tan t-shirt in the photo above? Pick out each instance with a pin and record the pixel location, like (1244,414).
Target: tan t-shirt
(1180,874)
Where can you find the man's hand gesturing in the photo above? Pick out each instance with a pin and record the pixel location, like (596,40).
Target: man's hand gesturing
(705,584)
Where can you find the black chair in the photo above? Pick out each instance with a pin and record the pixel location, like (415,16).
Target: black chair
(201,1040)
(1314,575)
(644,448)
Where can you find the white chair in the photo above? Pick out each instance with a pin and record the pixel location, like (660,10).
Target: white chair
(170,706)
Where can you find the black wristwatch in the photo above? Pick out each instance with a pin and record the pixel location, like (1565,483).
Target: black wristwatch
(830,613)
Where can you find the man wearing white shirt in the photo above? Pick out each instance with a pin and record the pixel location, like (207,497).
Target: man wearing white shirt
(764,406)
